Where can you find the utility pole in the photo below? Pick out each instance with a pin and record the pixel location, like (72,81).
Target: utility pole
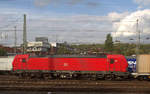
(56,37)
(24,35)
(138,44)
(138,39)
(15,41)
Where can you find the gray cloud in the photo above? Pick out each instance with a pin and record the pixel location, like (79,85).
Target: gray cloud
(74,2)
(127,26)
(75,28)
(42,3)
(93,4)
(142,3)
(82,28)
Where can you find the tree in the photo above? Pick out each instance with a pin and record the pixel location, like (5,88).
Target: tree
(2,52)
(109,43)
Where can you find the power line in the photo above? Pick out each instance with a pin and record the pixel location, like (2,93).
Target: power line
(12,23)
(11,30)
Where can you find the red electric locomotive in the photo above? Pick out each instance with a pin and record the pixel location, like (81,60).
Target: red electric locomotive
(72,66)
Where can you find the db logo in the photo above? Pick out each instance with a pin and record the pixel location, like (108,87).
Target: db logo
(65,64)
(116,60)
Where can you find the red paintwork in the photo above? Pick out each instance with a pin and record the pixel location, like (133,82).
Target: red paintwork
(31,63)
(71,64)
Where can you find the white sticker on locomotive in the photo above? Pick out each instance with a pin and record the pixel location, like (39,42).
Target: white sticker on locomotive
(65,64)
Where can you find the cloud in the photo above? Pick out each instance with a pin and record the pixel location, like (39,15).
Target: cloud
(8,19)
(75,27)
(142,3)
(114,16)
(127,25)
(42,3)
(85,28)
(93,4)
(74,2)
(90,28)
(70,28)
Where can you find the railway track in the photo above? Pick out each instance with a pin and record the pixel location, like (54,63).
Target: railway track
(13,83)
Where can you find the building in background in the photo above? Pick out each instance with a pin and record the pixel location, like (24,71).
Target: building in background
(4,50)
(41,45)
(41,39)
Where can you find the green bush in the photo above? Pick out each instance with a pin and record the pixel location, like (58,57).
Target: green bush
(2,52)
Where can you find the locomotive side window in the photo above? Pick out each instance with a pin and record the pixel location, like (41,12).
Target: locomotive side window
(23,60)
(112,61)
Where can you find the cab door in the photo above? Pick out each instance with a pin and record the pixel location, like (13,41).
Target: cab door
(19,64)
(23,63)
(111,64)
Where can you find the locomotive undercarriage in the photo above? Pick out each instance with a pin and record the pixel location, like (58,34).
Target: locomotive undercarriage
(142,76)
(72,75)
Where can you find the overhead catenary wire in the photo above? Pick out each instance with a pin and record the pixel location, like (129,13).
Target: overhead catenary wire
(11,22)
(5,29)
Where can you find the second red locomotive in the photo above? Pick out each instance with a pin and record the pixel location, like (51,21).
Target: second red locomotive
(72,66)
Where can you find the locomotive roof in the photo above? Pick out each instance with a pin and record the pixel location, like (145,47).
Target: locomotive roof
(72,56)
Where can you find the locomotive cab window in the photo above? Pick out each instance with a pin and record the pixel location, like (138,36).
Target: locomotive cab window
(23,60)
(112,61)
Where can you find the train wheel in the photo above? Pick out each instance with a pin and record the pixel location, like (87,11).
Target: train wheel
(47,76)
(142,78)
(118,78)
(75,76)
(63,76)
(109,77)
(20,75)
(32,75)
(26,76)
(113,77)
(93,77)
(39,76)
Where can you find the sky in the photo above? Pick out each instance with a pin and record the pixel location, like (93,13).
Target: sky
(75,21)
